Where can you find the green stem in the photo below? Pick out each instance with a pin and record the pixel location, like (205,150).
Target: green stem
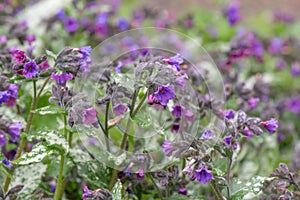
(59,184)
(140,104)
(123,143)
(133,112)
(60,179)
(24,139)
(229,163)
(106,131)
(155,186)
(217,191)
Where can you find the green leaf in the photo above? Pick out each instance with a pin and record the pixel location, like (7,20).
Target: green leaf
(240,189)
(52,139)
(94,173)
(77,155)
(37,154)
(48,110)
(29,176)
(143,119)
(51,54)
(117,191)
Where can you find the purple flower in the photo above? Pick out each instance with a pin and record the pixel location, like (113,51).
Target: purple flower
(181,81)
(246,132)
(101,24)
(271,125)
(89,116)
(71,24)
(151,99)
(44,65)
(189,116)
(177,110)
(30,39)
(232,13)
(87,193)
(167,148)
(3,39)
(182,190)
(120,109)
(61,79)
(227,140)
(61,14)
(234,146)
(30,69)
(53,188)
(140,173)
(253,102)
(228,114)
(3,139)
(293,104)
(275,46)
(6,162)
(175,127)
(164,93)
(19,56)
(119,67)
(174,61)
(12,95)
(85,51)
(123,24)
(207,135)
(14,131)
(281,64)
(257,49)
(295,69)
(4,96)
(203,175)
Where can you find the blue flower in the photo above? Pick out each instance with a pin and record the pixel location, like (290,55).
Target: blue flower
(228,114)
(30,69)
(275,46)
(167,148)
(61,14)
(177,110)
(6,162)
(253,102)
(227,140)
(14,131)
(232,13)
(175,61)
(123,24)
(89,116)
(71,24)
(271,125)
(85,51)
(163,94)
(203,175)
(119,109)
(3,139)
(207,135)
(61,79)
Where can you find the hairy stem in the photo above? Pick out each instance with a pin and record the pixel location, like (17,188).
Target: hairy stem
(133,112)
(216,190)
(155,186)
(106,131)
(229,163)
(24,139)
(60,179)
